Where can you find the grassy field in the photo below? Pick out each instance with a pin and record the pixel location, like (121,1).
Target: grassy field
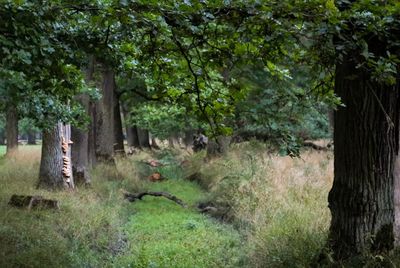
(271,211)
(97,228)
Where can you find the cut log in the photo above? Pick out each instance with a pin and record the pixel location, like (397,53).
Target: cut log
(31,202)
(138,196)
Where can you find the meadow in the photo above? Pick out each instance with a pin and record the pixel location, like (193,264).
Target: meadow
(270,211)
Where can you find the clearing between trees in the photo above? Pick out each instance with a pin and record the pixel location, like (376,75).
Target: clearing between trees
(269,211)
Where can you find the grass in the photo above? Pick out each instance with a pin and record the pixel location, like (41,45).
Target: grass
(97,228)
(275,210)
(2,150)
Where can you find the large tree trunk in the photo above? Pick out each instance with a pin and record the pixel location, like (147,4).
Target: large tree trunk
(81,162)
(11,129)
(118,132)
(144,138)
(366,143)
(105,118)
(55,165)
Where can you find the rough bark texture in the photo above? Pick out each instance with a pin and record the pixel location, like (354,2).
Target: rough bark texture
(11,129)
(118,132)
(52,162)
(366,144)
(397,201)
(105,118)
(144,138)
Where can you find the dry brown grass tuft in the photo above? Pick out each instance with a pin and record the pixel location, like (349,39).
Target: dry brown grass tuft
(280,202)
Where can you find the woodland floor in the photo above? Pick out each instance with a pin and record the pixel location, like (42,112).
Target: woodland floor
(97,228)
(275,213)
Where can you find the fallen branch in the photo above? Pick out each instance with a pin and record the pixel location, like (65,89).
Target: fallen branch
(33,202)
(133,197)
(316,146)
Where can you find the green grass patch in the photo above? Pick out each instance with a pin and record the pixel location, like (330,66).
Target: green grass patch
(2,150)
(163,234)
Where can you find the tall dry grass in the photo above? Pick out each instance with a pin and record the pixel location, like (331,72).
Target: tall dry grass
(279,203)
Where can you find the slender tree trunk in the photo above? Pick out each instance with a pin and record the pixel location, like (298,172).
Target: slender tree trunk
(144,138)
(11,129)
(31,137)
(366,143)
(92,161)
(105,118)
(55,165)
(118,132)
(2,137)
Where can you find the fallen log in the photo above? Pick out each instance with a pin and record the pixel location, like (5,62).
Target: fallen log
(31,202)
(138,196)
(316,146)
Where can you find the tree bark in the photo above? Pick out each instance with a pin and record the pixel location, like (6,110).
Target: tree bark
(366,140)
(396,228)
(55,165)
(81,162)
(144,138)
(31,137)
(11,129)
(118,132)
(132,135)
(80,150)
(105,118)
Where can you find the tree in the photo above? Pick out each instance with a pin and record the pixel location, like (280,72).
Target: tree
(11,129)
(366,134)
